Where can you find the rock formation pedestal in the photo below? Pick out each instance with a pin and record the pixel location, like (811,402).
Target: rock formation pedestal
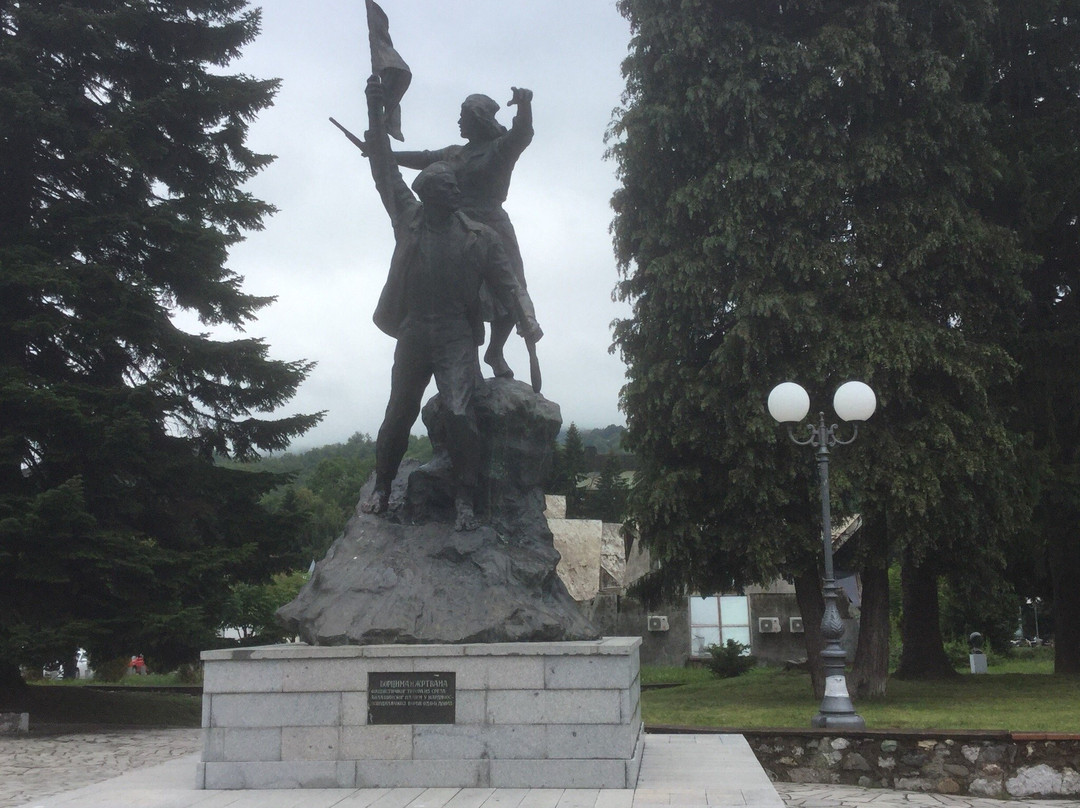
(409,577)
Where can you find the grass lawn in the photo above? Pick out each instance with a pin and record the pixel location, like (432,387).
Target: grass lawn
(1018,694)
(66,704)
(149,680)
(769,697)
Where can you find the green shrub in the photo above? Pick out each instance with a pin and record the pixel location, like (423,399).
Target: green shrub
(112,670)
(32,674)
(729,660)
(190,674)
(957,652)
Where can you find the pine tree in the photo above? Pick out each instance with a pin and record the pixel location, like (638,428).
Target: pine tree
(572,466)
(608,501)
(122,161)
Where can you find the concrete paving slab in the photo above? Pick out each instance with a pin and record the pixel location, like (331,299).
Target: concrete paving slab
(615,798)
(541,798)
(434,798)
(505,798)
(700,770)
(362,798)
(813,795)
(397,797)
(578,798)
(470,798)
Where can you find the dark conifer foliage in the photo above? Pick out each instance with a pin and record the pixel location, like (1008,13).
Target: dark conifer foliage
(122,164)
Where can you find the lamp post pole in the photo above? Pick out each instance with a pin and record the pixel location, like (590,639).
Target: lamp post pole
(854,401)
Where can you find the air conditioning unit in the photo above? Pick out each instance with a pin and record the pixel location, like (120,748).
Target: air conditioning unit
(795,625)
(768,625)
(658,622)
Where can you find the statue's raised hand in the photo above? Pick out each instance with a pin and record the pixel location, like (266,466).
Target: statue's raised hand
(521,96)
(376,95)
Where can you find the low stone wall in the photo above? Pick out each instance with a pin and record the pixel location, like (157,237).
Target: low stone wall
(986,764)
(14,723)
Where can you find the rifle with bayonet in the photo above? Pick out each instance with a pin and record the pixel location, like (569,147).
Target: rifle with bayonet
(361,145)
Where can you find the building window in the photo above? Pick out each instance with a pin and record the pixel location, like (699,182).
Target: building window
(735,619)
(704,624)
(715,620)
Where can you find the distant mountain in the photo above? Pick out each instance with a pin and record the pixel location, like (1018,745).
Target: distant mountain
(606,440)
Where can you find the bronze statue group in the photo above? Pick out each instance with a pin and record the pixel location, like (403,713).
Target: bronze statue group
(456,265)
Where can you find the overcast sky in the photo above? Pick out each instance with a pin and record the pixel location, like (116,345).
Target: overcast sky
(325,255)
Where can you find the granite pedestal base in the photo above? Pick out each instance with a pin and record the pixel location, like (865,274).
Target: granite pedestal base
(524,715)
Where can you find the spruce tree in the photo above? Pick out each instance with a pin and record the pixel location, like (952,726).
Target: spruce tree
(572,465)
(122,164)
(608,501)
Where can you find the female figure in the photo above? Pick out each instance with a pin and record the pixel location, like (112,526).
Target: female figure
(483,167)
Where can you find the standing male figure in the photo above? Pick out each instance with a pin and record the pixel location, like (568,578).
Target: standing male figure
(431,305)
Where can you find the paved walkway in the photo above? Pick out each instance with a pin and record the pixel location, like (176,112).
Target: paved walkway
(156,769)
(37,766)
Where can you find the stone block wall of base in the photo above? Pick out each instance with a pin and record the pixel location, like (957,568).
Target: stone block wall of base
(558,714)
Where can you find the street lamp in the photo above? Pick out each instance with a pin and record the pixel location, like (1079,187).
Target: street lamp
(853,402)
(1034,603)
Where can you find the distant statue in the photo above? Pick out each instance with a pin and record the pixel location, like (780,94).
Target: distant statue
(431,304)
(483,167)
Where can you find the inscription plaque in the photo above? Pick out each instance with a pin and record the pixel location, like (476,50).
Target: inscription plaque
(411,698)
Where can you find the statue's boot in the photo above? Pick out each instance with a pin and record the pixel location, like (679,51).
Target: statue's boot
(493,356)
(377,503)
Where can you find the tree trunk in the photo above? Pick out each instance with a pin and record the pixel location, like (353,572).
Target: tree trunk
(812,607)
(870,670)
(1065,574)
(923,655)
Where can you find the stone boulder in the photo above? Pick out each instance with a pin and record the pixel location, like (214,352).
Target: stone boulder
(409,577)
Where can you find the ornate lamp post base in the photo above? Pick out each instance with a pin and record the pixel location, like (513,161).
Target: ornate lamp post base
(836,707)
(843,721)
(837,711)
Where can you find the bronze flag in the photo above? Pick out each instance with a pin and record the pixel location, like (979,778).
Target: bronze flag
(388,65)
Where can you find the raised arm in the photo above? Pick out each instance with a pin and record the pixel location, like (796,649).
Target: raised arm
(418,160)
(395,194)
(409,159)
(521,128)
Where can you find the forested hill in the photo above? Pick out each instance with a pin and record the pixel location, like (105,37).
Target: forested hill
(606,440)
(325,487)
(360,450)
(326,480)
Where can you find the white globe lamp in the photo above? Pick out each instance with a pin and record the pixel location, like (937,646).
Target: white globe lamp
(788,403)
(854,401)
